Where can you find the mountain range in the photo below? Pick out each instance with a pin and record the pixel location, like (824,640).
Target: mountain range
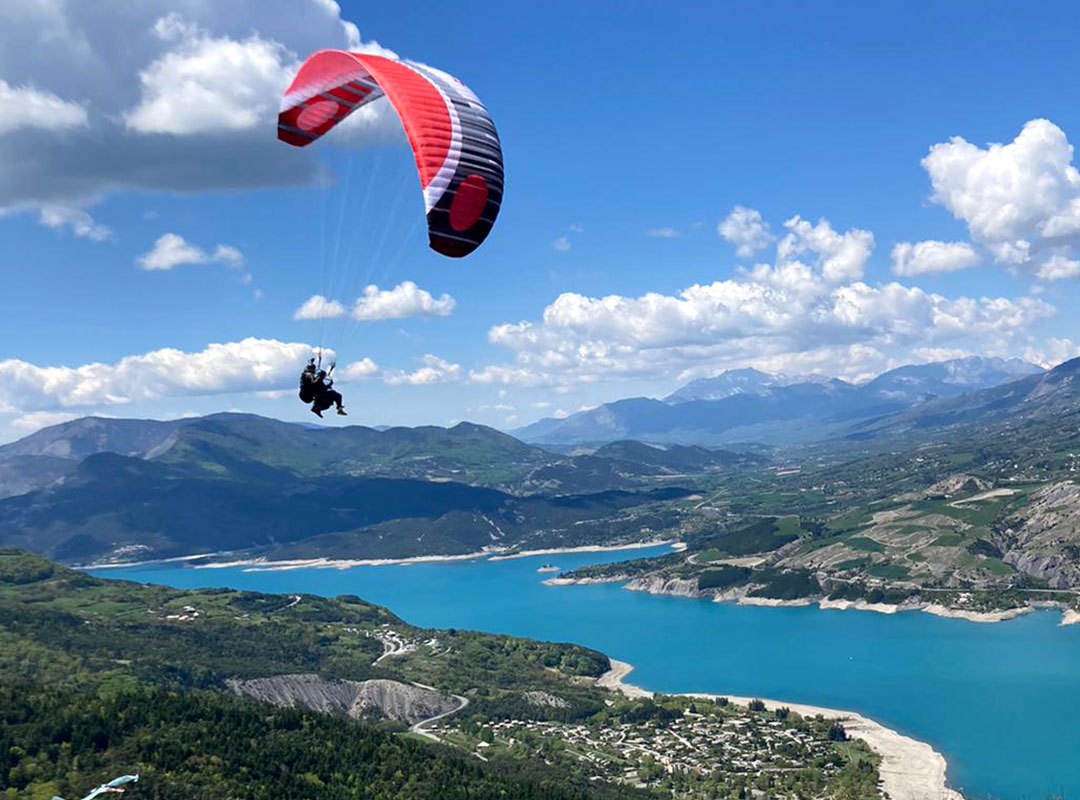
(95,488)
(1051,396)
(748,405)
(225,444)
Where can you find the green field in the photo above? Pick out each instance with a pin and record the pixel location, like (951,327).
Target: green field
(893,572)
(948,540)
(865,544)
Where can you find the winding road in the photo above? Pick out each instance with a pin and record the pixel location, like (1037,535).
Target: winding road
(419,727)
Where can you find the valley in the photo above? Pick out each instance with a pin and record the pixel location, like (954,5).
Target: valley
(963,502)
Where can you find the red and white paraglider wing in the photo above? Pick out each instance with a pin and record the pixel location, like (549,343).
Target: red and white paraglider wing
(329,86)
(457,151)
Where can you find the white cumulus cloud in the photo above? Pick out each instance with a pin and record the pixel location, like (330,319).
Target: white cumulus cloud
(358,370)
(1052,352)
(404,300)
(319,307)
(172,96)
(932,257)
(23,107)
(841,256)
(245,366)
(209,83)
(662,233)
(434,370)
(1058,267)
(509,375)
(1016,199)
(562,244)
(746,230)
(172,250)
(787,313)
(76,220)
(36,420)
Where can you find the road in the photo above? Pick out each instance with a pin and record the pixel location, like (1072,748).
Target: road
(419,727)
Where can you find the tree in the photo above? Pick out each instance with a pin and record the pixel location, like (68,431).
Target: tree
(837,732)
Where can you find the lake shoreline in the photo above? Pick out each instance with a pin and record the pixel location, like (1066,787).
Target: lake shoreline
(262,564)
(446,596)
(673,588)
(909,769)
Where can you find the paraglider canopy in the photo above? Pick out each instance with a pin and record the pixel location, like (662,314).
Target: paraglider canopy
(115,786)
(457,150)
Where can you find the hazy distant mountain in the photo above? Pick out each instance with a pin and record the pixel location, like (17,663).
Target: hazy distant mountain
(1051,397)
(946,378)
(44,457)
(737,381)
(749,405)
(778,414)
(22,474)
(85,437)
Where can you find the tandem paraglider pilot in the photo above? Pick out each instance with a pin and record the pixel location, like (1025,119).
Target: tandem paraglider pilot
(316,387)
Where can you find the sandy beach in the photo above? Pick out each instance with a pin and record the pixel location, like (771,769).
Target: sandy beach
(590,548)
(119,564)
(263,565)
(260,564)
(909,769)
(857,605)
(886,608)
(613,679)
(1070,617)
(772,602)
(976,616)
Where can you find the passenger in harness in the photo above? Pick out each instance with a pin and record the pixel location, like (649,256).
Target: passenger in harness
(316,387)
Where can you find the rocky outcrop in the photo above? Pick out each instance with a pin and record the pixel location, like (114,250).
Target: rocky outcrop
(306,691)
(952,486)
(662,584)
(545,700)
(956,485)
(1043,539)
(561,581)
(383,699)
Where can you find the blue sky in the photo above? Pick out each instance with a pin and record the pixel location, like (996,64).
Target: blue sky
(619,123)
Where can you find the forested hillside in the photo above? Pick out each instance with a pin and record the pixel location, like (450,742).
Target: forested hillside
(100,678)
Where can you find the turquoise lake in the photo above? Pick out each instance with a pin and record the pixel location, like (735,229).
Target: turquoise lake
(1001,701)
